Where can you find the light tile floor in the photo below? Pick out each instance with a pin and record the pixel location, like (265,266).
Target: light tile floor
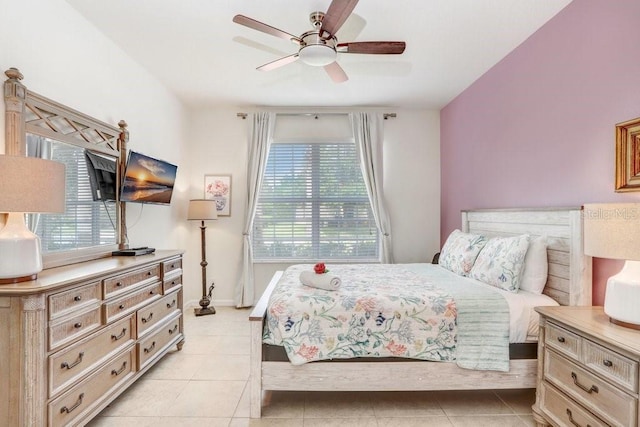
(207,384)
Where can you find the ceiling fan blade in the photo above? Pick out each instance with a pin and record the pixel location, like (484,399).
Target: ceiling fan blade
(338,12)
(278,63)
(372,47)
(268,29)
(336,72)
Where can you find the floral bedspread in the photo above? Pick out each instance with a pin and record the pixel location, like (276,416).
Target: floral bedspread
(379,311)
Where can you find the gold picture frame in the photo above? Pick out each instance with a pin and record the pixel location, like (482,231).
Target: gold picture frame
(628,156)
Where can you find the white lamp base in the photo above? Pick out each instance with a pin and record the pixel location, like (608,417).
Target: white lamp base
(20,248)
(623,296)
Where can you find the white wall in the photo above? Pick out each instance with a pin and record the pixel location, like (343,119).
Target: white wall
(65,58)
(218,145)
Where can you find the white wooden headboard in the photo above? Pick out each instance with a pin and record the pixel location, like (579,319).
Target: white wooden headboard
(570,278)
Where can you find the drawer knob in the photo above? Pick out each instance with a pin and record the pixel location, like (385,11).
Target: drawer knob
(172,331)
(67,365)
(560,339)
(122,334)
(77,325)
(64,409)
(173,303)
(119,371)
(151,292)
(118,284)
(147,319)
(592,389)
(121,306)
(608,363)
(77,298)
(150,349)
(148,273)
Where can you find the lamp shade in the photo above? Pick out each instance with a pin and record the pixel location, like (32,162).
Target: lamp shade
(612,230)
(202,210)
(29,184)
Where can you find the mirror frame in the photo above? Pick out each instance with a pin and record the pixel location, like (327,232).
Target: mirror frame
(628,156)
(29,112)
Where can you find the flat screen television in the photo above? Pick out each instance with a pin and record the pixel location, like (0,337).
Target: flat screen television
(147,180)
(102,176)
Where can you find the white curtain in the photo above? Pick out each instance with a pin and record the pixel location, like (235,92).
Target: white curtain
(368,131)
(261,135)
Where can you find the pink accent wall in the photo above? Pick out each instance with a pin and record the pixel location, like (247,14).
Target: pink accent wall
(538,129)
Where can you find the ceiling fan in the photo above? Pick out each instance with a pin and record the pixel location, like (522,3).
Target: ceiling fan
(319,47)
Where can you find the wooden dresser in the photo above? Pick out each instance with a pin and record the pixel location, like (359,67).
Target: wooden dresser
(78,336)
(587,369)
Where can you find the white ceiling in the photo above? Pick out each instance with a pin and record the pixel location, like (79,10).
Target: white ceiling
(198,53)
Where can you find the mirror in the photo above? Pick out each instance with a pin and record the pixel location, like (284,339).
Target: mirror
(86,223)
(37,126)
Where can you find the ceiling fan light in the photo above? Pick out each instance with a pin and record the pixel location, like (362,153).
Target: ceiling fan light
(317,55)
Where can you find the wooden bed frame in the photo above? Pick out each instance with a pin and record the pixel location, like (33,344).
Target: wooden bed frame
(569,283)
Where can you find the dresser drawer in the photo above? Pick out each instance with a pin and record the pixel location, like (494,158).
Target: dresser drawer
(80,399)
(562,411)
(170,283)
(70,364)
(151,315)
(66,302)
(611,365)
(81,324)
(164,335)
(171,265)
(120,307)
(611,404)
(562,340)
(124,282)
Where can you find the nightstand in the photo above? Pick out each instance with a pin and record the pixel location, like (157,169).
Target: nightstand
(587,369)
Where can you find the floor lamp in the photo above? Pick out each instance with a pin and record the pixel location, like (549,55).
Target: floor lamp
(203,210)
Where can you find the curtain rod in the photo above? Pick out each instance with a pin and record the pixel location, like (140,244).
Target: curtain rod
(385,115)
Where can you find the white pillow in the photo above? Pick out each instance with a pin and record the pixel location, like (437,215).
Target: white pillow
(501,261)
(534,276)
(460,251)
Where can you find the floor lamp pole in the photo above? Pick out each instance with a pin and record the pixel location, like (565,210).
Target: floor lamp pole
(206,297)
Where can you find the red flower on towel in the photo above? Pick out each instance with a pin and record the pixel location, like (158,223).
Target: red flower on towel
(320,268)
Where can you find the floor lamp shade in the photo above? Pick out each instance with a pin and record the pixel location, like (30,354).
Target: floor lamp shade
(27,185)
(612,230)
(202,209)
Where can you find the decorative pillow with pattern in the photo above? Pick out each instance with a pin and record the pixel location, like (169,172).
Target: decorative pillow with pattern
(501,261)
(460,251)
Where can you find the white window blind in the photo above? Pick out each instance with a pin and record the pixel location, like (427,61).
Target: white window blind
(85,223)
(313,205)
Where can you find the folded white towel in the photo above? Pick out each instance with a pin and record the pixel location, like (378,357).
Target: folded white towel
(325,281)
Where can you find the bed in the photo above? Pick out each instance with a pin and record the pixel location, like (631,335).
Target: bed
(568,283)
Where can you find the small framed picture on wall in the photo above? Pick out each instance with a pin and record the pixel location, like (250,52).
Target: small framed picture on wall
(218,188)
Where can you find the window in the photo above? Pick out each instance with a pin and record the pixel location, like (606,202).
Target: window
(313,205)
(85,223)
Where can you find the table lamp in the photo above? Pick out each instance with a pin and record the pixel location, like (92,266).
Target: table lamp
(203,210)
(27,185)
(612,230)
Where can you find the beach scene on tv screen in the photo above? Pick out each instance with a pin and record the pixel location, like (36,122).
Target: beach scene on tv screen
(148,180)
